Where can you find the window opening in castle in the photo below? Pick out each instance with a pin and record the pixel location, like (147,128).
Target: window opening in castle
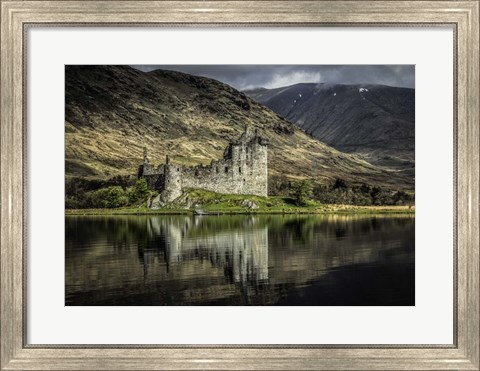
(239,170)
(226,169)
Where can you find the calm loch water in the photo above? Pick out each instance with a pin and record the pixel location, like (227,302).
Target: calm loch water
(240,260)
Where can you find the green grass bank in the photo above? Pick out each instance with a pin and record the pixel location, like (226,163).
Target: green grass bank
(214,203)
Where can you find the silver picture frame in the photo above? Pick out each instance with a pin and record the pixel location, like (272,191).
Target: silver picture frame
(17,16)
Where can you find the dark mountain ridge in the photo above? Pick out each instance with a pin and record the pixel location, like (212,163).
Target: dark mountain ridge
(374,121)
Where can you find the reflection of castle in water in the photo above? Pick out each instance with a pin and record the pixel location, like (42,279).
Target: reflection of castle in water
(242,250)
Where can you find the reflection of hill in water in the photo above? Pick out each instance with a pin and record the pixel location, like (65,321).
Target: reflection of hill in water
(175,260)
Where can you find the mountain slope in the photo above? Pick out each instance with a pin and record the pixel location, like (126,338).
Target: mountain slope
(375,121)
(112,112)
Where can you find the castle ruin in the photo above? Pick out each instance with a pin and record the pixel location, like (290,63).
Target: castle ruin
(242,170)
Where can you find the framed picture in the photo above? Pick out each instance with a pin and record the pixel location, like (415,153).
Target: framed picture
(240,185)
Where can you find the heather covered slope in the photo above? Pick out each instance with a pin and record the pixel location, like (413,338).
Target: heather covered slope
(112,112)
(375,121)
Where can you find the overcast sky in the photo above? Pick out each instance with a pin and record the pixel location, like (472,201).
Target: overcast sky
(244,77)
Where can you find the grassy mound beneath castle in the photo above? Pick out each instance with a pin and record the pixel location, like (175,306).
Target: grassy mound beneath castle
(234,203)
(214,202)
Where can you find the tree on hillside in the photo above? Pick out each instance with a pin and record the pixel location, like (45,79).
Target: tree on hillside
(301,192)
(138,192)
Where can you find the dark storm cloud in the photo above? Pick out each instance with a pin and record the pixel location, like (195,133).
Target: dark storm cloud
(273,76)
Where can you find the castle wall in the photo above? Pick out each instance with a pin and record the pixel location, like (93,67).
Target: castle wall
(173,182)
(155,176)
(244,173)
